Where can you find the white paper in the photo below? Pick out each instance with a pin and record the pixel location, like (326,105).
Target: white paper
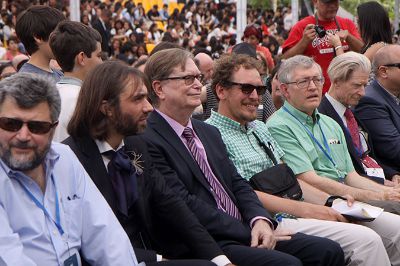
(358,209)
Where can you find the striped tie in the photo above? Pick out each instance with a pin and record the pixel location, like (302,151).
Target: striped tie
(224,202)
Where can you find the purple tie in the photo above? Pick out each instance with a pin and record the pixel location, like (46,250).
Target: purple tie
(224,202)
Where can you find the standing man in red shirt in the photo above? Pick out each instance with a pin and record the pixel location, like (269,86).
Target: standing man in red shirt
(304,39)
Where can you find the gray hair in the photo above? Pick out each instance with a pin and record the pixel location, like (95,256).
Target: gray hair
(342,67)
(29,90)
(289,65)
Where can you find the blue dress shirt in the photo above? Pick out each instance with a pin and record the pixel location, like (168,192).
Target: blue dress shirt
(29,237)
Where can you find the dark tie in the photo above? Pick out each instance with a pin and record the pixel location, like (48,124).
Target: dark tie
(355,136)
(123,178)
(224,202)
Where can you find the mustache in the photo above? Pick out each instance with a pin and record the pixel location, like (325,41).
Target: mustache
(22,145)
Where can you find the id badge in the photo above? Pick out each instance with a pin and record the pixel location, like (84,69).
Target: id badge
(71,261)
(378,172)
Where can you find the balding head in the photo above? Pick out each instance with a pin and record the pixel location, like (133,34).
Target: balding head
(206,65)
(384,66)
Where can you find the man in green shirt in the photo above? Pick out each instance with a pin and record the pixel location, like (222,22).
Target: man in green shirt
(315,147)
(237,85)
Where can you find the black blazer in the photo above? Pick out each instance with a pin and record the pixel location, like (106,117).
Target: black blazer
(381,116)
(159,221)
(105,35)
(326,108)
(184,176)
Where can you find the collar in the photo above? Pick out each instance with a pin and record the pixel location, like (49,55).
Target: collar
(104,146)
(176,126)
(303,117)
(49,162)
(394,97)
(70,80)
(338,106)
(226,122)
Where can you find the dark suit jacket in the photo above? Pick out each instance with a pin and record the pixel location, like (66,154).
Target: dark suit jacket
(326,108)
(380,114)
(105,35)
(184,176)
(159,219)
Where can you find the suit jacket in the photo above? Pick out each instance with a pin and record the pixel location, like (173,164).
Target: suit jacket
(380,114)
(326,108)
(184,176)
(105,35)
(159,219)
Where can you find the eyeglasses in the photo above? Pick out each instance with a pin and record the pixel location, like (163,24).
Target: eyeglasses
(392,65)
(36,127)
(189,79)
(305,83)
(247,88)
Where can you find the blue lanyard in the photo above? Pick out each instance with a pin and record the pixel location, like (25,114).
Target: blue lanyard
(327,150)
(40,205)
(359,152)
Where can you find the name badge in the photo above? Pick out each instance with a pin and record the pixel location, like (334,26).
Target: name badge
(71,261)
(378,172)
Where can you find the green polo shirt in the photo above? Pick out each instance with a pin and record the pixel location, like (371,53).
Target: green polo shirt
(244,150)
(302,153)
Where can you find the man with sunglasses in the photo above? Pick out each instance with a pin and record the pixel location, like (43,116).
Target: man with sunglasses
(379,109)
(243,136)
(315,149)
(349,74)
(50,210)
(193,159)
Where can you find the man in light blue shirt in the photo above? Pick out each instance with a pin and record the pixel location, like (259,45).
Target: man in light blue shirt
(49,207)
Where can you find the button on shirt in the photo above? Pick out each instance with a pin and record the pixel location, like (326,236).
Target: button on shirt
(302,153)
(244,150)
(29,237)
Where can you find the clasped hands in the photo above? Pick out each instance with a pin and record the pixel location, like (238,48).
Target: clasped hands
(263,236)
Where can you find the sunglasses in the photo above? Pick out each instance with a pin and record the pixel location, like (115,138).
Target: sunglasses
(247,88)
(36,127)
(393,65)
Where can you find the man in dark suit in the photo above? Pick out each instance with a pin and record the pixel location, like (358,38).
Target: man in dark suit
(192,157)
(349,74)
(379,109)
(156,220)
(101,24)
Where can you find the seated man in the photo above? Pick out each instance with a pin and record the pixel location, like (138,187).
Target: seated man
(193,159)
(349,74)
(236,120)
(49,207)
(77,49)
(137,193)
(379,109)
(315,148)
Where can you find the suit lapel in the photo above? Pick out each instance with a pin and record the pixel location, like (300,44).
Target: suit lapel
(335,116)
(165,131)
(388,98)
(94,165)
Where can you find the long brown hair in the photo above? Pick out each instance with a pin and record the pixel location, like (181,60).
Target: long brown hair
(105,83)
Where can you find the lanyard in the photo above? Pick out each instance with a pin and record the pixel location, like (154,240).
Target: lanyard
(359,151)
(327,150)
(40,205)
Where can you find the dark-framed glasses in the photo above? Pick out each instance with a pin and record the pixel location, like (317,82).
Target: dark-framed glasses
(305,83)
(189,79)
(392,65)
(247,88)
(35,127)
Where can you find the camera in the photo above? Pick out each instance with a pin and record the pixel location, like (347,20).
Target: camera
(321,32)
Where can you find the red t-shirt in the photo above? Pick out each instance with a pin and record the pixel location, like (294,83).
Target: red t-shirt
(320,49)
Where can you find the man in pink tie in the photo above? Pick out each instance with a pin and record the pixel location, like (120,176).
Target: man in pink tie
(349,75)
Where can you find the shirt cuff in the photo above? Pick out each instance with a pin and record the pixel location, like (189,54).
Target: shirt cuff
(262,218)
(159,257)
(221,260)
